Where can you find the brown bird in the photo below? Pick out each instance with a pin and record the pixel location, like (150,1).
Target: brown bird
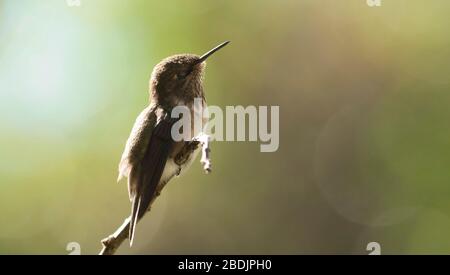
(149,157)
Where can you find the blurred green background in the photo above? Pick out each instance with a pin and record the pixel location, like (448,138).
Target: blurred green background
(364,132)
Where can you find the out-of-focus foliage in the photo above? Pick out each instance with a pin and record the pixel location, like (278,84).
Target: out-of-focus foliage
(364,148)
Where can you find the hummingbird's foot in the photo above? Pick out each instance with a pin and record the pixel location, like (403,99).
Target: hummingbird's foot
(183,156)
(204,140)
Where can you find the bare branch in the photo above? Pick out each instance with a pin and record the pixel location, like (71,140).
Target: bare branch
(113,242)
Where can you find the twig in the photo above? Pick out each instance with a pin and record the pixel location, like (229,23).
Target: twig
(115,240)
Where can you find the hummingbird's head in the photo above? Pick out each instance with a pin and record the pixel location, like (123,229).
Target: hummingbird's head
(179,77)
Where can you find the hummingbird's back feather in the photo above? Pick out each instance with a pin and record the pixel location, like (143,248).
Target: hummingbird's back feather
(149,171)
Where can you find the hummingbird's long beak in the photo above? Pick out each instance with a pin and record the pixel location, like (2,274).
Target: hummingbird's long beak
(208,54)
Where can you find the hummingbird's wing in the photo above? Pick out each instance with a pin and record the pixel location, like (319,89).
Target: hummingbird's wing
(150,170)
(145,158)
(138,141)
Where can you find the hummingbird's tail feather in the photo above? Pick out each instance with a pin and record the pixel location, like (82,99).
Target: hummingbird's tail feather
(134,192)
(134,218)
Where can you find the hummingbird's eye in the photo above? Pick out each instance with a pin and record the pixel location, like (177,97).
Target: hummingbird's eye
(178,76)
(183,74)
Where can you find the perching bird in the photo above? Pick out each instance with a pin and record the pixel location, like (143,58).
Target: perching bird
(149,156)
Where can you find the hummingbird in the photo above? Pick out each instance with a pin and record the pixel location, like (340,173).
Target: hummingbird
(150,156)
